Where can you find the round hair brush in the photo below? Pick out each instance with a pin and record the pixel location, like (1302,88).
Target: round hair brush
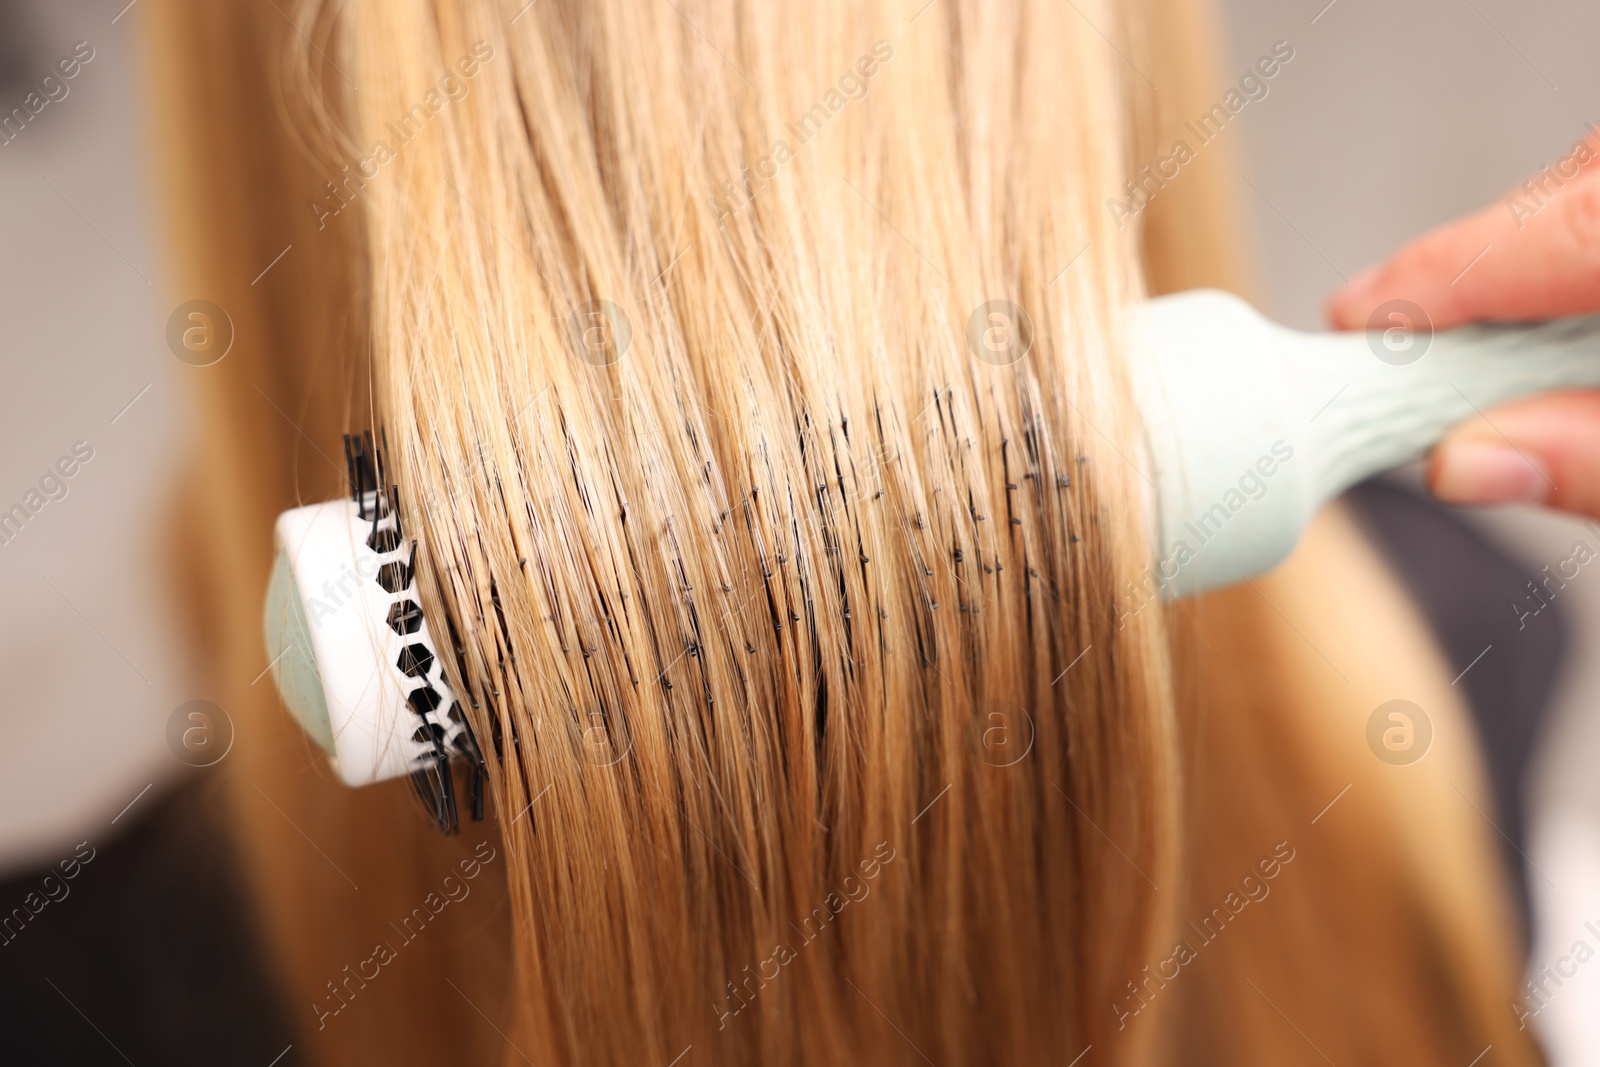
(1249,428)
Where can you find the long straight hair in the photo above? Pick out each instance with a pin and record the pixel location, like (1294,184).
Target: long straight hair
(751,378)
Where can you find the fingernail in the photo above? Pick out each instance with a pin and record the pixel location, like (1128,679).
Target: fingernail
(1487,472)
(1344,306)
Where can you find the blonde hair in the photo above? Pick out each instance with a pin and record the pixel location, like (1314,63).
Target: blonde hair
(783,588)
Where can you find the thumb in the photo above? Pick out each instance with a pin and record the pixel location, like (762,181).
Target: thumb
(1544,450)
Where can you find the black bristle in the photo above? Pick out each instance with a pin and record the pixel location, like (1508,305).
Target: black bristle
(449,821)
(349,464)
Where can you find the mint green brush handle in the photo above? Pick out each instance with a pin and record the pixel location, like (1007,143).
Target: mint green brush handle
(1252,427)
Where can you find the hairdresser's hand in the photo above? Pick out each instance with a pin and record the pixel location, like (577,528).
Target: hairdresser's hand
(1543,260)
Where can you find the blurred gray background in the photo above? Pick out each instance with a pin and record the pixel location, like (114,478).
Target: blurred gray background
(87,644)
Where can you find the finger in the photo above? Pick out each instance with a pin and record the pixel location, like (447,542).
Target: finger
(1534,254)
(1543,450)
